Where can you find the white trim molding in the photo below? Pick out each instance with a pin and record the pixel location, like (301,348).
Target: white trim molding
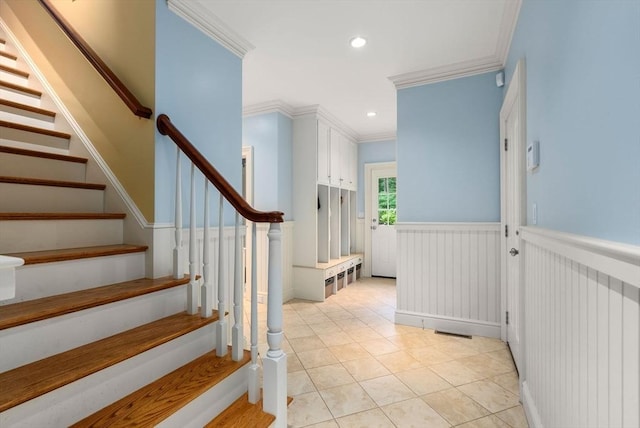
(317,110)
(378,137)
(449,277)
(582,312)
(618,260)
(274,106)
(486,64)
(447,72)
(207,22)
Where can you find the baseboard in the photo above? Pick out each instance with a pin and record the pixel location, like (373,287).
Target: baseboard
(530,409)
(448,324)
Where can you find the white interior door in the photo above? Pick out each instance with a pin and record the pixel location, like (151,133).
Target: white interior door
(383,220)
(513,215)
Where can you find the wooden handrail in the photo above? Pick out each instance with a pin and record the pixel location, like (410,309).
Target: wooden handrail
(166,127)
(123,92)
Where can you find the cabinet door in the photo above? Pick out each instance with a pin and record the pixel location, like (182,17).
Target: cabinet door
(353,166)
(334,158)
(323,153)
(345,161)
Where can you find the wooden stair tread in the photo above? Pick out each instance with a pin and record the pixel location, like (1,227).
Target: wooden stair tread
(62,216)
(29,311)
(35,130)
(243,414)
(37,154)
(32,380)
(28,108)
(20,88)
(13,70)
(8,55)
(155,402)
(54,183)
(48,256)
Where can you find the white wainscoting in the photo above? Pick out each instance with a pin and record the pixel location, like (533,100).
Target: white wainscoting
(449,277)
(262,254)
(582,331)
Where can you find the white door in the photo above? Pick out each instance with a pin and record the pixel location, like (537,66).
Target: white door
(383,220)
(512,123)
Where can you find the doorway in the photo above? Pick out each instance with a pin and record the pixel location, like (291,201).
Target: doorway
(513,207)
(380,219)
(247,194)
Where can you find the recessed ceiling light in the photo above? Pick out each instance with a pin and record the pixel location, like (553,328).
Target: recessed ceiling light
(372,114)
(358,42)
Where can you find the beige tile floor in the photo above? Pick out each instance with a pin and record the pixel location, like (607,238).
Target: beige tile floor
(349,365)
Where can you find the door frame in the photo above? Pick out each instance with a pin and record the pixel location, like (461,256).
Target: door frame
(247,155)
(516,93)
(368,175)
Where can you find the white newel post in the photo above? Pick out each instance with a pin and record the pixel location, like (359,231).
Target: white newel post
(192,298)
(275,362)
(222,335)
(237,342)
(254,370)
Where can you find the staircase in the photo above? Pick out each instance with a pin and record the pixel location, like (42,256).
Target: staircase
(88,340)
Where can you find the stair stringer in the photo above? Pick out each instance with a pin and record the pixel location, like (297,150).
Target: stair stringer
(75,401)
(136,229)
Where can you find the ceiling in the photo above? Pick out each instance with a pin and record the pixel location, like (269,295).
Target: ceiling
(297,52)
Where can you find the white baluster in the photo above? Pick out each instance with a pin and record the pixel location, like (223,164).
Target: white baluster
(192,303)
(221,328)
(254,370)
(237,342)
(275,362)
(178,250)
(206,298)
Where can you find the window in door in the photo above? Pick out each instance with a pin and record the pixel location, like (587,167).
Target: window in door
(387,211)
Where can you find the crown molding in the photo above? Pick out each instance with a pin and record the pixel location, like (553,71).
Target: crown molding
(447,72)
(507,28)
(482,65)
(377,137)
(204,20)
(321,112)
(274,106)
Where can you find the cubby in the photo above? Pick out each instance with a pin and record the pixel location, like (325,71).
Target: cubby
(324,204)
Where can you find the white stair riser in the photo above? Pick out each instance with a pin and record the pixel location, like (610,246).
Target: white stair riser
(19,97)
(48,279)
(210,404)
(11,134)
(7,61)
(13,78)
(26,198)
(38,235)
(26,117)
(31,342)
(79,399)
(36,167)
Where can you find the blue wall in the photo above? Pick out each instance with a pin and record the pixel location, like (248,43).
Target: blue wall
(583,105)
(271,137)
(199,86)
(379,151)
(448,151)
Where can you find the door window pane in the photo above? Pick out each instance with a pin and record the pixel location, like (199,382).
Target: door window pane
(387,201)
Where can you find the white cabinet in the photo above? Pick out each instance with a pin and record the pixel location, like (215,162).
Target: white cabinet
(334,157)
(323,152)
(324,198)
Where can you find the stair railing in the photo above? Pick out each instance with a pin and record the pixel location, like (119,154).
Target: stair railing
(94,59)
(274,362)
